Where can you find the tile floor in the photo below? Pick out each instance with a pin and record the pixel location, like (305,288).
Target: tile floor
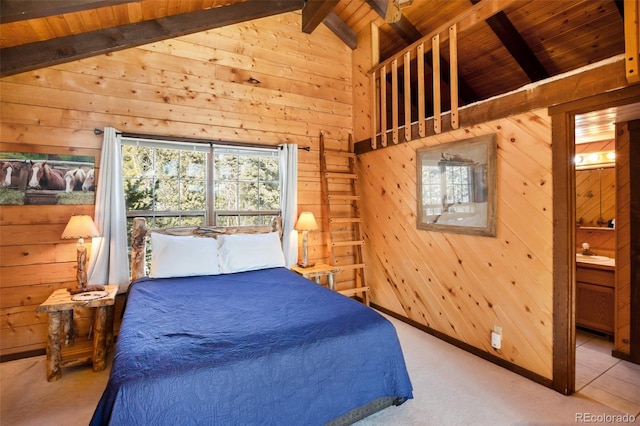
(603,378)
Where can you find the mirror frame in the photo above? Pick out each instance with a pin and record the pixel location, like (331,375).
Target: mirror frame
(479,156)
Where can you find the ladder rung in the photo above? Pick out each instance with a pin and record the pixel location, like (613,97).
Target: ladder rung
(345,220)
(328,152)
(343,197)
(340,175)
(347,243)
(352,291)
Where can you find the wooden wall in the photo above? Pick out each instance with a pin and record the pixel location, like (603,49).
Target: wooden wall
(264,81)
(462,285)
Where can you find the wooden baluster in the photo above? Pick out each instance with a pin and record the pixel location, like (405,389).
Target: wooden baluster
(421,111)
(374,110)
(632,40)
(394,101)
(437,106)
(383,106)
(453,56)
(407,96)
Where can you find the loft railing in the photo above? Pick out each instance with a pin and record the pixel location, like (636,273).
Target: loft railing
(387,75)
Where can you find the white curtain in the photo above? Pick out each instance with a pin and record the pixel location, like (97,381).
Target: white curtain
(108,263)
(288,164)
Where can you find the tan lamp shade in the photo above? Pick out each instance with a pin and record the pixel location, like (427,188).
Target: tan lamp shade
(306,222)
(80,226)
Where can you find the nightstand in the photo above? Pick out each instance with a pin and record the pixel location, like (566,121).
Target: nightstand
(318,270)
(62,349)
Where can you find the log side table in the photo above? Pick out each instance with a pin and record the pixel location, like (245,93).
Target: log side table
(317,271)
(63,351)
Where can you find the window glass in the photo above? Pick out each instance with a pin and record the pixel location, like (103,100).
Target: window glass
(168,184)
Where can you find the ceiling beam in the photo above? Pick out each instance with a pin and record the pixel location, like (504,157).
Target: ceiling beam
(27,57)
(314,12)
(620,5)
(19,10)
(341,29)
(516,45)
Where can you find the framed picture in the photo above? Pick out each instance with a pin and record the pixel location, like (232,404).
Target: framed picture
(27,178)
(456,187)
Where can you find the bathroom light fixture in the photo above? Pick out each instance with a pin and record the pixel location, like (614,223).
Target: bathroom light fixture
(594,160)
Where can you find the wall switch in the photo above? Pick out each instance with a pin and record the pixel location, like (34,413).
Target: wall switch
(497,329)
(496,340)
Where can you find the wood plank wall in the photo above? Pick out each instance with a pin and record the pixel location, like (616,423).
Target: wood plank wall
(463,285)
(264,81)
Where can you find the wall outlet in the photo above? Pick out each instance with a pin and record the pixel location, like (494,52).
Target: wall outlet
(496,340)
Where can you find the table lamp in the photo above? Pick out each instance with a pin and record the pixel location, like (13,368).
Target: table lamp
(81,227)
(306,222)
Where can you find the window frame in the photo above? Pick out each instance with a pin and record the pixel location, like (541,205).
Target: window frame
(211,215)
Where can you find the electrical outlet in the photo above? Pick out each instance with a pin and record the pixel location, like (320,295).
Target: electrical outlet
(496,340)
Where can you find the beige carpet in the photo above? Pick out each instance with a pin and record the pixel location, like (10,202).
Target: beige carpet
(451,387)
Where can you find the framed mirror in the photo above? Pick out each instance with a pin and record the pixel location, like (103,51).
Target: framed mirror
(595,197)
(456,187)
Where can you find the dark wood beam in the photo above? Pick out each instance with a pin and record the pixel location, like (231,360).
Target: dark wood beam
(403,27)
(14,60)
(620,5)
(406,30)
(341,29)
(516,45)
(314,12)
(19,10)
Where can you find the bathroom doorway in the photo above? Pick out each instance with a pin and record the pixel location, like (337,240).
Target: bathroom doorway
(626,101)
(599,375)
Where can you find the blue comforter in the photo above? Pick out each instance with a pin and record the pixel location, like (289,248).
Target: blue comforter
(258,347)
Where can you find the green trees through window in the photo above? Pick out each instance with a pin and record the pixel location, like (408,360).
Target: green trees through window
(176,184)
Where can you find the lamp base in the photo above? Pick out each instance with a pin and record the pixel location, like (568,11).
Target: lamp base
(306,265)
(77,290)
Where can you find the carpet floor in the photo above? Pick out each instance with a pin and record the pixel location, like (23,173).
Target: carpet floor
(451,387)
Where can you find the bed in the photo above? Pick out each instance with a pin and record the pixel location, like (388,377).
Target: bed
(254,343)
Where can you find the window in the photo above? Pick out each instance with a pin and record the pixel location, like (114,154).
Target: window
(245,187)
(178,184)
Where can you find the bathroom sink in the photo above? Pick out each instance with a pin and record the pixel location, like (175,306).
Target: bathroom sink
(591,258)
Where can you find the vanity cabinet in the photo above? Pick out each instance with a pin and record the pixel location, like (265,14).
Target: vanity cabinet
(595,297)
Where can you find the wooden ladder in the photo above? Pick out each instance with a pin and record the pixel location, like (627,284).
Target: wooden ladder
(341,215)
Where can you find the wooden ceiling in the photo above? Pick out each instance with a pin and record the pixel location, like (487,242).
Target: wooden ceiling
(527,42)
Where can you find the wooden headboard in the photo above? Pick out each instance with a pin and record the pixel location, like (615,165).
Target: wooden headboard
(141,232)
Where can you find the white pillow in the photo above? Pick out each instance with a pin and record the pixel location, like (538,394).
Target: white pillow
(178,256)
(247,252)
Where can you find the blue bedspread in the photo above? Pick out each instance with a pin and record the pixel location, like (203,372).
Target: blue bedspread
(262,347)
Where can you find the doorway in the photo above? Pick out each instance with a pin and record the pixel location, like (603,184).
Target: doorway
(564,204)
(599,375)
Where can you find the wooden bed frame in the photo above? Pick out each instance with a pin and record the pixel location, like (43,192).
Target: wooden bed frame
(141,232)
